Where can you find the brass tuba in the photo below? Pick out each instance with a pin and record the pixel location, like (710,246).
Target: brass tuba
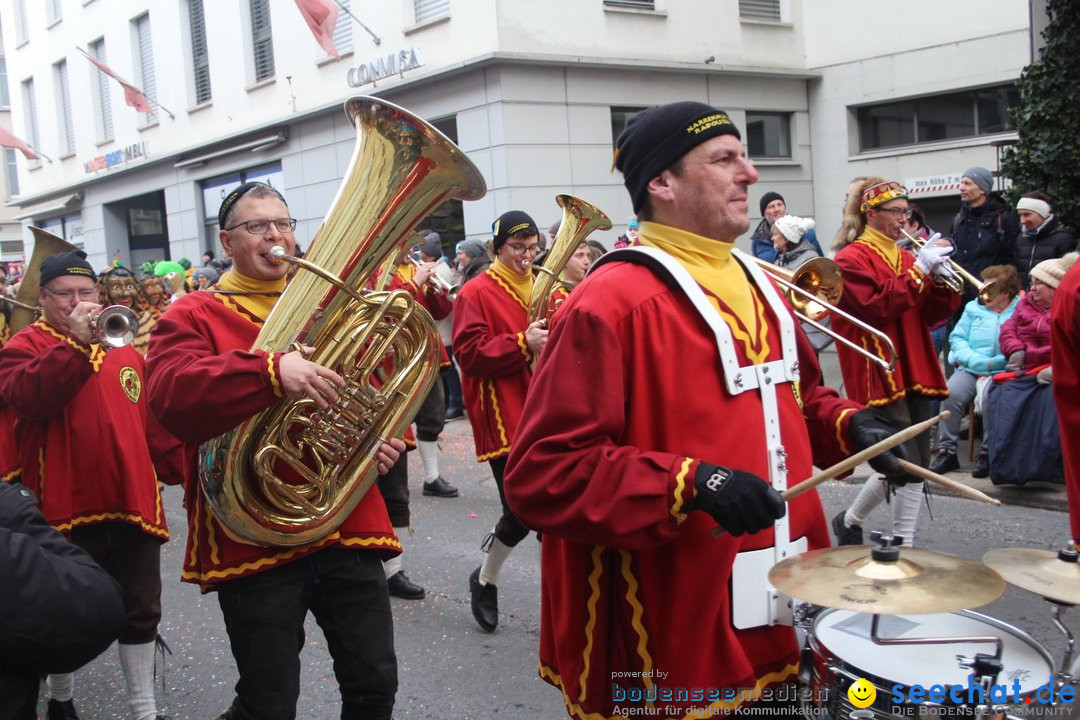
(25,302)
(292,473)
(579,219)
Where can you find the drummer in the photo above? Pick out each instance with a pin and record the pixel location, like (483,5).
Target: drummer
(627,471)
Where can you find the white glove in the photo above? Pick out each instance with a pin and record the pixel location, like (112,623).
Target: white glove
(931,256)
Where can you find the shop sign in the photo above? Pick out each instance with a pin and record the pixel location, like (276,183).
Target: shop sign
(384,67)
(117,157)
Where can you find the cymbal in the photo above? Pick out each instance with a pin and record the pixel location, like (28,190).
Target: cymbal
(1041,571)
(919,581)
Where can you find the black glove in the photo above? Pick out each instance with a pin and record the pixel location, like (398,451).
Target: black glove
(869,426)
(740,502)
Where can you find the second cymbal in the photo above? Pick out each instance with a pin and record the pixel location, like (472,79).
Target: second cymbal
(1043,572)
(919,581)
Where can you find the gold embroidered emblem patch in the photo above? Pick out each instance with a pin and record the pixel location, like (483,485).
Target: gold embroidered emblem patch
(131,382)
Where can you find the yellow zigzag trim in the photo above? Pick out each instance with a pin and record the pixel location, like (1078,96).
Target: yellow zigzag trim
(590,624)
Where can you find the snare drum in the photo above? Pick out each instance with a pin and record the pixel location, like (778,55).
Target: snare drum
(839,651)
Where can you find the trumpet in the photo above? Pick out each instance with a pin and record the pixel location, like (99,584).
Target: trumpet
(814,289)
(956,275)
(115,326)
(437,282)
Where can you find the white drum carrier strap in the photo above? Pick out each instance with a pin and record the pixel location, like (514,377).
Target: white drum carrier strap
(751,568)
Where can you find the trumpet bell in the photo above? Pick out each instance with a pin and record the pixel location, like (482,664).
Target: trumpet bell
(116,326)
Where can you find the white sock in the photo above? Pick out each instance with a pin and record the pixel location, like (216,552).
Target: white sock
(61,686)
(871,495)
(429,457)
(392,566)
(905,511)
(137,662)
(493,562)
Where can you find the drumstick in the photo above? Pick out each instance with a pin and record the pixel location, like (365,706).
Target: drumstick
(855,460)
(962,489)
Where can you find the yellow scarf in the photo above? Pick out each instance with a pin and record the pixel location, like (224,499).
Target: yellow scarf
(521,284)
(259,297)
(710,263)
(883,246)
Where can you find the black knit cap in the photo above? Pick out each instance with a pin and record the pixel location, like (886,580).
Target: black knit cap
(69,263)
(511,223)
(232,198)
(655,139)
(768,198)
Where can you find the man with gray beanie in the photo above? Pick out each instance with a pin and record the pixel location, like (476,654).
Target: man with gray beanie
(627,492)
(985,230)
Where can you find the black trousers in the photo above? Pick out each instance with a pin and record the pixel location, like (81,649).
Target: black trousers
(264,616)
(431,417)
(394,487)
(509,530)
(134,559)
(452,384)
(18,694)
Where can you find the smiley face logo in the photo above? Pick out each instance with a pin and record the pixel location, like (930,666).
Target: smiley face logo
(862,693)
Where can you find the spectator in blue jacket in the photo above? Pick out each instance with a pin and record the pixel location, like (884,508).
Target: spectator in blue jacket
(975,352)
(772,207)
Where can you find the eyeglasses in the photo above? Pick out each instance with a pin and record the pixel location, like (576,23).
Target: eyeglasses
(523,249)
(88,295)
(261,227)
(897,213)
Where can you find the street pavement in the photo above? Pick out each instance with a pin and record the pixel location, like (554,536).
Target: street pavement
(448,667)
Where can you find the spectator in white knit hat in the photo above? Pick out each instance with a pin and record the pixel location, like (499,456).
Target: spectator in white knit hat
(790,237)
(1043,236)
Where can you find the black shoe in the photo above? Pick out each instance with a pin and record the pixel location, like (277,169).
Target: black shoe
(454,413)
(401,586)
(62,710)
(846,535)
(981,468)
(485,602)
(945,461)
(440,488)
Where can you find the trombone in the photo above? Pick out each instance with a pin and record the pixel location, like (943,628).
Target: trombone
(814,289)
(954,279)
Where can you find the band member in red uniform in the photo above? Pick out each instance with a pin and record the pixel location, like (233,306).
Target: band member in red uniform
(1065,359)
(204,380)
(9,456)
(901,294)
(495,346)
(81,433)
(713,403)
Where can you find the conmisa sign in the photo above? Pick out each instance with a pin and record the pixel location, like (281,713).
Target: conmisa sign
(384,67)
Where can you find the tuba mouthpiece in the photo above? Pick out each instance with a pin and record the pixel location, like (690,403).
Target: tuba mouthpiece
(278,254)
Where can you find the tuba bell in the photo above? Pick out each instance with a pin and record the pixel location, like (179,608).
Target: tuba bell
(25,302)
(578,221)
(292,473)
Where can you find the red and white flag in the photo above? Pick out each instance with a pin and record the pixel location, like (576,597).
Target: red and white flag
(321,16)
(9,140)
(133,96)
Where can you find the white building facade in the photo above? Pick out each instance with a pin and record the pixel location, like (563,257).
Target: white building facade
(534,93)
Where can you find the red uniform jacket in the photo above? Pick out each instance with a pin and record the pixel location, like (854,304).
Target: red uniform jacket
(9,453)
(490,319)
(436,303)
(203,382)
(81,430)
(1065,349)
(628,399)
(884,289)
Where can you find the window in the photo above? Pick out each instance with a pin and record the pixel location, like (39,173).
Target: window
(200,58)
(343,28)
(759,10)
(53,12)
(5,96)
(147,79)
(619,116)
(634,4)
(102,93)
(11,173)
(65,122)
(30,106)
(768,134)
(430,9)
(937,118)
(22,33)
(262,39)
